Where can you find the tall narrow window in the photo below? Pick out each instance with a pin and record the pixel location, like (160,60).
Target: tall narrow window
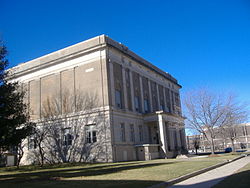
(128,86)
(91,133)
(141,133)
(137,104)
(169,141)
(118,85)
(146,106)
(172,103)
(132,133)
(162,107)
(161,97)
(175,140)
(177,99)
(168,108)
(154,97)
(145,89)
(118,99)
(123,138)
(137,91)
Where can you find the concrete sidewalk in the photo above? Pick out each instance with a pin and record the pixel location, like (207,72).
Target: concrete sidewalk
(212,177)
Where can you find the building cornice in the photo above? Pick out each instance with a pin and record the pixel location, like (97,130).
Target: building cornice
(122,48)
(79,49)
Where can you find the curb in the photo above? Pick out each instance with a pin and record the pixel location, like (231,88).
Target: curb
(192,174)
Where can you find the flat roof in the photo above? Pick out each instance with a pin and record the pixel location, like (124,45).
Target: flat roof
(78,49)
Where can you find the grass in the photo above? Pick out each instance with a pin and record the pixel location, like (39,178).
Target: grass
(239,179)
(126,174)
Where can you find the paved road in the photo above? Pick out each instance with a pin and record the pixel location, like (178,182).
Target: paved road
(212,177)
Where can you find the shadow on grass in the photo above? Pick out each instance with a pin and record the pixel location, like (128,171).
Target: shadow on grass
(76,172)
(83,183)
(57,167)
(239,180)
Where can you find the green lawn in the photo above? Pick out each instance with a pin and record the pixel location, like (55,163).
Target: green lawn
(126,174)
(240,179)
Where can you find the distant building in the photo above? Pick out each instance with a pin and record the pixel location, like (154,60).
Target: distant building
(139,103)
(222,141)
(192,141)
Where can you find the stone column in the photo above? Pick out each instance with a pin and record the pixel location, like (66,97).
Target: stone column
(132,91)
(112,84)
(150,96)
(142,97)
(162,132)
(124,89)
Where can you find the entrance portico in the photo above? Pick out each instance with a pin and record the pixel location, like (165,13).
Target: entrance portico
(168,131)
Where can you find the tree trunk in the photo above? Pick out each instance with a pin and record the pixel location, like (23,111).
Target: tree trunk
(41,154)
(212,146)
(233,147)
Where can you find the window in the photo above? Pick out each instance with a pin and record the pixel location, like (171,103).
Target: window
(32,143)
(137,104)
(162,107)
(154,96)
(146,105)
(67,137)
(175,140)
(140,133)
(118,99)
(168,109)
(91,134)
(177,99)
(67,140)
(123,138)
(169,141)
(128,87)
(132,133)
(161,97)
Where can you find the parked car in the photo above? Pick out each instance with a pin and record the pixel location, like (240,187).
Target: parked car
(228,150)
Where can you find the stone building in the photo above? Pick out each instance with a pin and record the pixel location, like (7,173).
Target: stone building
(140,107)
(240,134)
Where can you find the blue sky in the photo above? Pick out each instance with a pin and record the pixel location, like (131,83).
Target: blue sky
(201,43)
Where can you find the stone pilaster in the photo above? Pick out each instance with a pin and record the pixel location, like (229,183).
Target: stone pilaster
(150,96)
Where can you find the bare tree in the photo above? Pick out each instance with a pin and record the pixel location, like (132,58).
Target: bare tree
(207,111)
(39,136)
(237,114)
(61,135)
